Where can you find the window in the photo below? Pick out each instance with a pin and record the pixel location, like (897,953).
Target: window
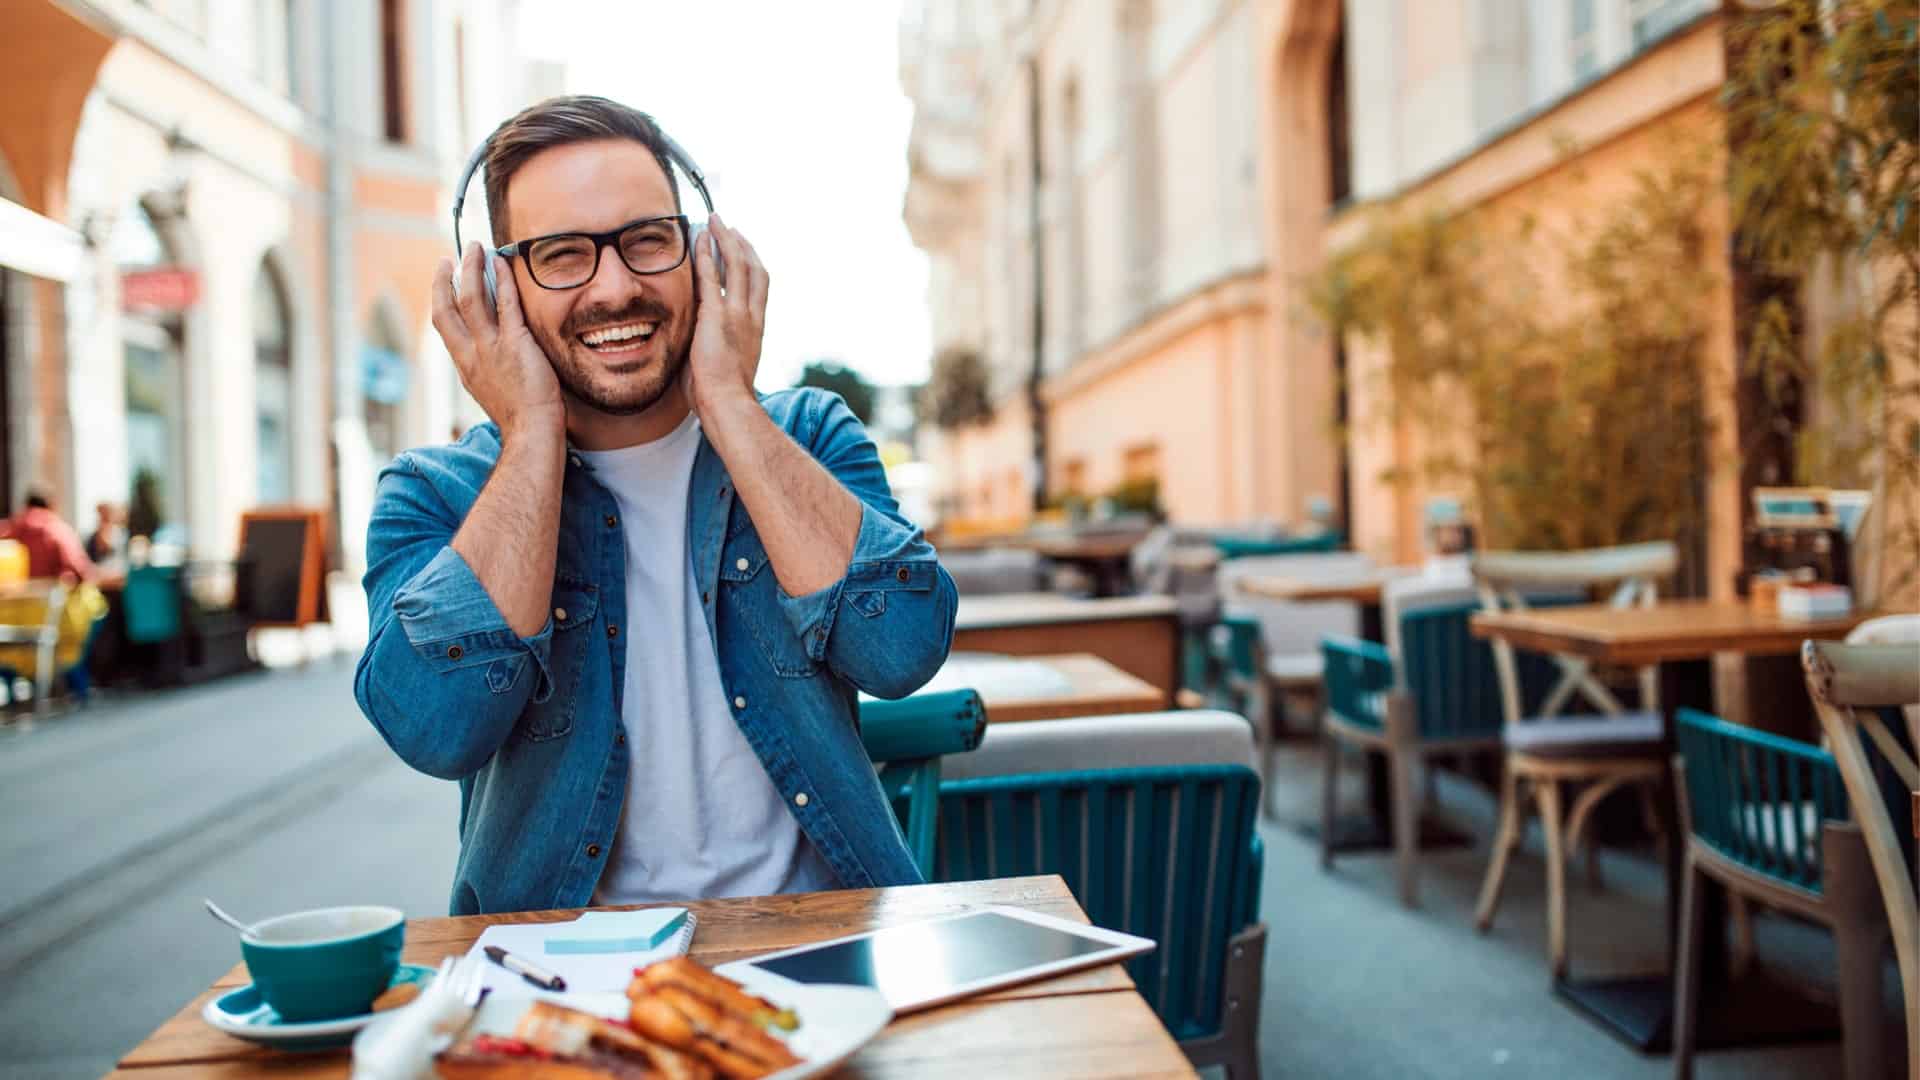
(1583,39)
(1655,19)
(1073,477)
(393,82)
(272,389)
(1141,463)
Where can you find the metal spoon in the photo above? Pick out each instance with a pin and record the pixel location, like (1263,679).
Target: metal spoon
(214,910)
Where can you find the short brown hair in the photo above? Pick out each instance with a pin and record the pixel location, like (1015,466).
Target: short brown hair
(561,121)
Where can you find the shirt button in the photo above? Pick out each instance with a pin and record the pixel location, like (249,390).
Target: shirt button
(612,630)
(612,521)
(559,614)
(739,703)
(723,491)
(620,739)
(704,598)
(800,799)
(573,458)
(901,574)
(593,851)
(739,564)
(455,652)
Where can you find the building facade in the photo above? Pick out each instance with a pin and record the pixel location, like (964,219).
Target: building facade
(226,215)
(1121,198)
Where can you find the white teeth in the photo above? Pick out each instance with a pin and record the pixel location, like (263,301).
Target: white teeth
(619,333)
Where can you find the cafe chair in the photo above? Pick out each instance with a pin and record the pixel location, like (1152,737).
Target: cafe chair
(1855,687)
(1767,819)
(41,606)
(1599,752)
(908,738)
(1149,818)
(1268,651)
(1431,690)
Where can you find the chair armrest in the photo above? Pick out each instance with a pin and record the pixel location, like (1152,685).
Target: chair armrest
(923,726)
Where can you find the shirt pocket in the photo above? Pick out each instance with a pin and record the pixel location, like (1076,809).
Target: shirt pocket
(575,604)
(747,581)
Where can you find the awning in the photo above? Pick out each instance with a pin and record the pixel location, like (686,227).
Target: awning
(38,245)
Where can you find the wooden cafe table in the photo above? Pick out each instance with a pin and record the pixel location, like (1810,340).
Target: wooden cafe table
(1020,688)
(1140,635)
(1680,637)
(1086,1024)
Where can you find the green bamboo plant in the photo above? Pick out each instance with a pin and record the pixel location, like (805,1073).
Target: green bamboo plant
(1826,96)
(1555,376)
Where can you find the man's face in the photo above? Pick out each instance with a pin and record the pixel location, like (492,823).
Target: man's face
(593,187)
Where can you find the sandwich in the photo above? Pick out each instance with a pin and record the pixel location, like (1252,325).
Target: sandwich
(684,1023)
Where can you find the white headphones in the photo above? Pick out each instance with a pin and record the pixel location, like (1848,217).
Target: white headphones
(675,154)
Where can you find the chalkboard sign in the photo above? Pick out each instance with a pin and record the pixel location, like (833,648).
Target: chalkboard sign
(280,566)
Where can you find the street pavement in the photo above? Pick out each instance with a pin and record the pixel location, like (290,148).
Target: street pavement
(268,792)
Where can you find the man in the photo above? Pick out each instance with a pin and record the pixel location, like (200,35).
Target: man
(631,614)
(53,548)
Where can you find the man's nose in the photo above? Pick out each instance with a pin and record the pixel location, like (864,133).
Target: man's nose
(611,280)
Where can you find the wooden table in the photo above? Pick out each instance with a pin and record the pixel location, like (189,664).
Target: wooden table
(1361,589)
(1140,635)
(1094,687)
(1105,556)
(1680,637)
(1091,1023)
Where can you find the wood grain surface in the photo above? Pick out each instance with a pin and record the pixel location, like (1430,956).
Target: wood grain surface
(1672,630)
(1090,1023)
(1096,688)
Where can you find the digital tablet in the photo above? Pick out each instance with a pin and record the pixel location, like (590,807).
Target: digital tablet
(927,963)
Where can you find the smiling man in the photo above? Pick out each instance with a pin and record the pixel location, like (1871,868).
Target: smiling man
(631,614)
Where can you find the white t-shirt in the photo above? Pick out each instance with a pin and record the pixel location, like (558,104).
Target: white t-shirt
(701,817)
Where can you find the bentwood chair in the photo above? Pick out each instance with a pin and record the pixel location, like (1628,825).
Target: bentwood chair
(1598,752)
(1766,818)
(1853,688)
(1149,819)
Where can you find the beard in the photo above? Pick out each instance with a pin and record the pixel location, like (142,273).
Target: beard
(582,373)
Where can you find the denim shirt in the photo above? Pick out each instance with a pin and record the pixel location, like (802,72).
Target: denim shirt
(531,726)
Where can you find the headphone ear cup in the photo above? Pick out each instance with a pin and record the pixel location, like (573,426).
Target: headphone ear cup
(486,271)
(702,236)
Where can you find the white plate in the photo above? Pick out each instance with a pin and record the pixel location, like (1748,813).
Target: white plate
(835,1021)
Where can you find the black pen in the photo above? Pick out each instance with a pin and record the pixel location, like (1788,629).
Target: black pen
(538,976)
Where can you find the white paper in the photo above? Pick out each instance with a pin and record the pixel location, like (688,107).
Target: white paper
(583,971)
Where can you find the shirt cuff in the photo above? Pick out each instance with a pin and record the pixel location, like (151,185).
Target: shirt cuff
(880,564)
(452,624)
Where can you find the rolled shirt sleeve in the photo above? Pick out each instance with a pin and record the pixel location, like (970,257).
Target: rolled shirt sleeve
(444,677)
(887,624)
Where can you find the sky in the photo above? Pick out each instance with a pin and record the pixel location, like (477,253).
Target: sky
(794,111)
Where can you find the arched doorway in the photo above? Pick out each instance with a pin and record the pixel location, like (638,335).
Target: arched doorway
(151,341)
(272,387)
(386,378)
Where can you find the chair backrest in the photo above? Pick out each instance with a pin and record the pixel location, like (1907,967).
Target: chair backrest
(908,739)
(1356,678)
(1451,675)
(1851,685)
(1235,547)
(993,571)
(1507,579)
(1288,628)
(151,602)
(1758,798)
(1148,818)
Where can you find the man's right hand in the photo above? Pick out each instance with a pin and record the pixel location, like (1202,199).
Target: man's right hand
(499,362)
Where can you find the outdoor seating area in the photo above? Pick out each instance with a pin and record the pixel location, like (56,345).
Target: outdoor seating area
(1500,708)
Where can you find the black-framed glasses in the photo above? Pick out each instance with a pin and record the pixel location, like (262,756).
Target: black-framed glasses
(652,245)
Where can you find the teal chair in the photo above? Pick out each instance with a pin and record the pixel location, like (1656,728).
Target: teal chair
(1239,547)
(1149,819)
(1767,818)
(907,738)
(151,604)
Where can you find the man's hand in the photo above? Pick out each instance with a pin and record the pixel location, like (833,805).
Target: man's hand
(499,362)
(726,333)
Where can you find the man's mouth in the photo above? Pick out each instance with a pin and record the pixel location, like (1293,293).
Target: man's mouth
(625,337)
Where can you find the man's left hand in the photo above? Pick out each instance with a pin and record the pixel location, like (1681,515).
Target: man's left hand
(726,333)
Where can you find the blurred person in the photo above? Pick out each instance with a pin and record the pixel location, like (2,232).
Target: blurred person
(109,535)
(53,548)
(631,614)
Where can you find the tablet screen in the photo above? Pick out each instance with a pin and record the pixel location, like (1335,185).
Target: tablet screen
(929,961)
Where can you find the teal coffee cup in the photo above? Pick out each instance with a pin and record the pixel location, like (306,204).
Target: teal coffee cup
(324,964)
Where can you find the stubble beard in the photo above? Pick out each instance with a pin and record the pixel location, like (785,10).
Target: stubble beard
(578,370)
